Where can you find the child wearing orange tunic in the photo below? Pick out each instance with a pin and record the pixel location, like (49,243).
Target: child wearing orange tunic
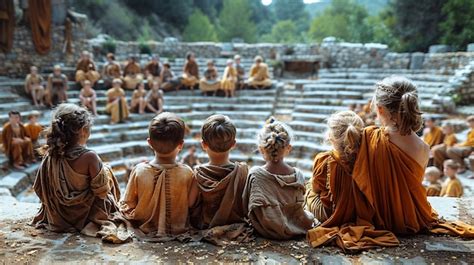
(18,146)
(335,166)
(33,128)
(432,177)
(160,193)
(452,187)
(439,152)
(462,150)
(432,135)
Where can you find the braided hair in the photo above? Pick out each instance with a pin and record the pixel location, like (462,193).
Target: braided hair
(63,132)
(274,137)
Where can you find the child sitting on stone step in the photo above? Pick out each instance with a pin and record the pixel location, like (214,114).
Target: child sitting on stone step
(333,167)
(77,192)
(432,177)
(274,192)
(160,192)
(452,187)
(33,129)
(220,181)
(88,97)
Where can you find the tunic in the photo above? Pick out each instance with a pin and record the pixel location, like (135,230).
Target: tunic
(190,74)
(33,131)
(259,76)
(434,136)
(229,78)
(452,188)
(209,82)
(118,110)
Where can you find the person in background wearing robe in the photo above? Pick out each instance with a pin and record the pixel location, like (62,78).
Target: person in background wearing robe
(153,70)
(78,193)
(190,158)
(258,76)
(168,78)
(116,103)
(160,193)
(18,146)
(334,167)
(386,184)
(439,152)
(274,193)
(33,128)
(190,76)
(452,187)
(229,79)
(432,134)
(57,87)
(111,70)
(86,69)
(155,98)
(132,73)
(88,97)
(221,182)
(432,178)
(34,86)
(240,72)
(210,81)
(366,113)
(462,150)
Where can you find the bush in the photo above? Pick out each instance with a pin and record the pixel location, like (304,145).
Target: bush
(109,46)
(199,28)
(144,47)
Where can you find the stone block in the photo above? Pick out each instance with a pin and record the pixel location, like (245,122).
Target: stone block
(470,47)
(16,182)
(417,60)
(439,48)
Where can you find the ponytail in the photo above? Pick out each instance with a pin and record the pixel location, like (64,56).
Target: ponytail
(274,137)
(409,115)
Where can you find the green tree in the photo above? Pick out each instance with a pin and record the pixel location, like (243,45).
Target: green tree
(236,21)
(458,27)
(171,11)
(343,19)
(293,10)
(285,32)
(263,16)
(199,28)
(417,23)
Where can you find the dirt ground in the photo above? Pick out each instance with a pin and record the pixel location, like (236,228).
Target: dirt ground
(22,244)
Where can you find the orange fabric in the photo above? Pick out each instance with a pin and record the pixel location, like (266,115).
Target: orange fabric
(19,149)
(33,131)
(7,25)
(434,136)
(452,188)
(433,189)
(470,139)
(40,19)
(385,193)
(157,198)
(450,140)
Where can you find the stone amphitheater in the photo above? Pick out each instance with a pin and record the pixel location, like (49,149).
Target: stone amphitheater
(304,104)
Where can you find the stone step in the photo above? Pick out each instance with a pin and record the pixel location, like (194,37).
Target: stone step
(319,109)
(381,75)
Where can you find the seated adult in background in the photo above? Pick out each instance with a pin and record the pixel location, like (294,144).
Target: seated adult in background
(168,78)
(240,72)
(132,73)
(386,184)
(155,100)
(116,103)
(78,193)
(439,152)
(86,69)
(18,147)
(462,150)
(153,70)
(34,86)
(229,79)
(432,134)
(190,76)
(88,97)
(258,76)
(210,83)
(111,70)
(56,91)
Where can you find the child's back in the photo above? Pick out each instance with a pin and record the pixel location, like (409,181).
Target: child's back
(157,198)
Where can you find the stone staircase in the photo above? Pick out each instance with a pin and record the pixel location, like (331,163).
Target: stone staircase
(304,104)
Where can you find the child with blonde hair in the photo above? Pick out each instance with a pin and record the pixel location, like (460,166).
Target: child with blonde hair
(274,192)
(333,167)
(432,176)
(452,187)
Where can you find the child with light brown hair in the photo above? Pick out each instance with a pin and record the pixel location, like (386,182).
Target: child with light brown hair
(452,187)
(160,192)
(439,152)
(88,97)
(33,128)
(335,166)
(274,193)
(433,176)
(220,181)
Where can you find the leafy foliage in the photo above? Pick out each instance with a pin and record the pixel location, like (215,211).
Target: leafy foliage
(199,28)
(236,21)
(458,27)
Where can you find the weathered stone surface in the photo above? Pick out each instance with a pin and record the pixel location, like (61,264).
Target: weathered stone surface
(15,182)
(470,47)
(417,59)
(439,48)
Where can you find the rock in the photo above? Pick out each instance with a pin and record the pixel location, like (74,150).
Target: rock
(470,47)
(15,182)
(417,59)
(439,48)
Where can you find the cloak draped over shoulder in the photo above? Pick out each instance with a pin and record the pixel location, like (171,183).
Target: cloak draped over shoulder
(73,202)
(388,199)
(40,18)
(220,195)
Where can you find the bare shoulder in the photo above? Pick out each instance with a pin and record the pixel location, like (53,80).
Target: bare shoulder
(88,163)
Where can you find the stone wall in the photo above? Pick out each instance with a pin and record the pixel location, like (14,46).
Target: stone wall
(460,87)
(23,55)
